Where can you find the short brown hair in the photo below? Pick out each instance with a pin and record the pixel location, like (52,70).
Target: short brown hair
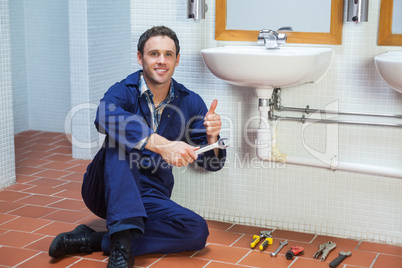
(158,31)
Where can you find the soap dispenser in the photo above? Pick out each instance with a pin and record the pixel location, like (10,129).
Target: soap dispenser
(357,10)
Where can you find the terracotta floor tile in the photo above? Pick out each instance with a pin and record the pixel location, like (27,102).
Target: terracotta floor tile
(80,161)
(223,265)
(264,259)
(38,154)
(32,162)
(43,260)
(245,241)
(55,228)
(40,200)
(62,142)
(77,168)
(12,196)
(32,211)
(72,194)
(18,239)
(25,178)
(5,218)
(381,248)
(67,216)
(388,261)
(177,261)
(19,187)
(61,150)
(222,237)
(147,260)
(57,165)
(74,176)
(53,174)
(38,147)
(246,229)
(51,135)
(218,225)
(24,224)
(59,157)
(222,253)
(84,263)
(310,263)
(12,256)
(295,236)
(44,140)
(42,190)
(68,204)
(8,206)
(41,244)
(50,182)
(75,186)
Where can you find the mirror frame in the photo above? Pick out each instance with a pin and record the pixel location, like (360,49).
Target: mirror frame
(385,36)
(334,36)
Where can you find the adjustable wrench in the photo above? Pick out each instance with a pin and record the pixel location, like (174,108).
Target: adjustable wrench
(222,143)
(282,244)
(342,255)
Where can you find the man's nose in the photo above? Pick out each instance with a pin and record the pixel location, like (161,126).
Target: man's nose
(161,59)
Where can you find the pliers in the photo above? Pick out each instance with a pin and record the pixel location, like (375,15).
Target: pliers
(324,250)
(257,238)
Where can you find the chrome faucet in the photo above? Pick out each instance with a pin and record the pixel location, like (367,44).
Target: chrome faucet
(271,39)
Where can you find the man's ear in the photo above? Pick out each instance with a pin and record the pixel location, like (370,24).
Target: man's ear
(139,57)
(177,60)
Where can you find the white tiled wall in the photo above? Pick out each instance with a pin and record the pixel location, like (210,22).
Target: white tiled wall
(7,162)
(47,63)
(100,56)
(247,191)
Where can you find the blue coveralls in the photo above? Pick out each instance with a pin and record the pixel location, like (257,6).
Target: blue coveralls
(131,188)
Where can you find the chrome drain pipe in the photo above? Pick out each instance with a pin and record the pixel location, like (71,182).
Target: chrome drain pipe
(276,106)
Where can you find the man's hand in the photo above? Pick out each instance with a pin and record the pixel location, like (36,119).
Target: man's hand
(176,153)
(212,124)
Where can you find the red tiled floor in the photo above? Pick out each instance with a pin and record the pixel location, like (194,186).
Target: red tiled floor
(47,201)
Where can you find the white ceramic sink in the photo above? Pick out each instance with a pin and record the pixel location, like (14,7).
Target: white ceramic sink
(265,69)
(389,66)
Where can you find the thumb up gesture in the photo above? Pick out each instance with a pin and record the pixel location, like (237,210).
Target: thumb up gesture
(212,123)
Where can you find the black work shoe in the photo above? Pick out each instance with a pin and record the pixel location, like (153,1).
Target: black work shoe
(120,257)
(76,241)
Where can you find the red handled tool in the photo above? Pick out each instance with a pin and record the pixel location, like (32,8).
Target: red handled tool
(294,251)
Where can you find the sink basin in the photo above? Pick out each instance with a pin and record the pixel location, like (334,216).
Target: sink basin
(389,66)
(265,69)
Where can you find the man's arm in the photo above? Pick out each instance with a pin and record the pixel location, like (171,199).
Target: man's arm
(176,153)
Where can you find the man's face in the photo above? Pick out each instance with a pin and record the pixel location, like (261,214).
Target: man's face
(159,60)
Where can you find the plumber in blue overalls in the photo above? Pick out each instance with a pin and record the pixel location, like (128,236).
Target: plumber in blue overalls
(152,123)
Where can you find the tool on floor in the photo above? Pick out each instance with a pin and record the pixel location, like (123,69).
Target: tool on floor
(324,250)
(281,245)
(294,251)
(257,238)
(268,241)
(222,143)
(342,255)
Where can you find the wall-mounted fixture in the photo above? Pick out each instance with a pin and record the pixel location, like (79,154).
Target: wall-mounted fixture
(357,10)
(196,10)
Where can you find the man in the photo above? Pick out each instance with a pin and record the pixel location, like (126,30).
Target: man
(152,123)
